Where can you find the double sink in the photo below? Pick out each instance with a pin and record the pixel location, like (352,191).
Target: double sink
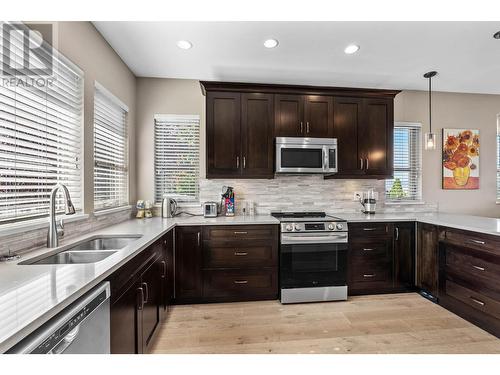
(90,250)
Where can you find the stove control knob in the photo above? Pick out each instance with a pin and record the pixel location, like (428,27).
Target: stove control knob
(288,227)
(340,226)
(297,227)
(331,226)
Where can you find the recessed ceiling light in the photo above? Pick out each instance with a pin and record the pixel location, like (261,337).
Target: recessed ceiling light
(271,43)
(184,44)
(496,35)
(351,48)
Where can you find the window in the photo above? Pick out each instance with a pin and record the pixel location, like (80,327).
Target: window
(498,158)
(407,182)
(40,138)
(177,157)
(110,151)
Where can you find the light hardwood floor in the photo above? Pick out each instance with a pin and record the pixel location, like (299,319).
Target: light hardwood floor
(395,323)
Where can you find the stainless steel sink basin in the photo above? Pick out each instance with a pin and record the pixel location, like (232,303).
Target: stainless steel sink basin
(104,243)
(75,257)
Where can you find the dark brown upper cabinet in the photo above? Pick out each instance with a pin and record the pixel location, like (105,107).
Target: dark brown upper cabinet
(223,134)
(240,131)
(364,131)
(304,116)
(244,118)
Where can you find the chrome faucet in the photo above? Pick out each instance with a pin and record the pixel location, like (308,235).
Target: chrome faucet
(52,235)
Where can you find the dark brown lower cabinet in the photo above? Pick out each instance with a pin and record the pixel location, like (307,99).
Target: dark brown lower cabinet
(469,277)
(226,263)
(427,258)
(137,300)
(381,257)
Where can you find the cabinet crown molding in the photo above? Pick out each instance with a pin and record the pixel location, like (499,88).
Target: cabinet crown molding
(294,89)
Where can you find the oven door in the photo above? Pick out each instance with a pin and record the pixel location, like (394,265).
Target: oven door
(313,260)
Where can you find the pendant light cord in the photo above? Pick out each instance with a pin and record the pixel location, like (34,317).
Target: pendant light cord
(430,106)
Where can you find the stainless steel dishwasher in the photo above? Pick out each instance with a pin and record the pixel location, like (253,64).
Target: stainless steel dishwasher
(83,327)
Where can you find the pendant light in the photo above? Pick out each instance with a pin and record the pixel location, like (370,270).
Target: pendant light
(430,137)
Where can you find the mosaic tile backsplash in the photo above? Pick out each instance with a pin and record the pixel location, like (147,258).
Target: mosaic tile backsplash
(301,193)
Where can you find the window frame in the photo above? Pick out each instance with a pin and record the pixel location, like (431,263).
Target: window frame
(195,201)
(110,96)
(21,223)
(417,199)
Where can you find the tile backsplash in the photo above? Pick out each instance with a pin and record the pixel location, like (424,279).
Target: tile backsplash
(300,193)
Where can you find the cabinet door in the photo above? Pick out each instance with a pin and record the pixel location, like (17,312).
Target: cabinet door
(257,128)
(125,321)
(223,134)
(169,277)
(347,117)
(427,258)
(188,259)
(404,255)
(151,283)
(289,112)
(376,136)
(318,112)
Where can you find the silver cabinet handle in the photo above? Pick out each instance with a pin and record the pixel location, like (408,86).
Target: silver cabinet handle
(307,127)
(478,268)
(244,162)
(369,275)
(367,249)
(361,163)
(478,242)
(301,127)
(237,161)
(146,289)
(367,164)
(199,238)
(397,233)
(240,232)
(141,298)
(369,229)
(241,281)
(477,301)
(164,266)
(240,253)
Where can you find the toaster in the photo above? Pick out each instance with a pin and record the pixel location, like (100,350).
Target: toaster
(210,209)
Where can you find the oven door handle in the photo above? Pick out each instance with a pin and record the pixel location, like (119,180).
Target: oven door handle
(294,240)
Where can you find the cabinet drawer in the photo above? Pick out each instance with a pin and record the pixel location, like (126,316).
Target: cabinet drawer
(240,232)
(222,254)
(241,284)
(371,250)
(478,267)
(473,299)
(371,273)
(361,231)
(473,240)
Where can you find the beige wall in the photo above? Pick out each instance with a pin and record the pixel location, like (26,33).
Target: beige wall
(163,96)
(452,110)
(84,46)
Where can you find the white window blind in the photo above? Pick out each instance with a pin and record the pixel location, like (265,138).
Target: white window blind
(177,157)
(498,158)
(40,138)
(110,151)
(407,182)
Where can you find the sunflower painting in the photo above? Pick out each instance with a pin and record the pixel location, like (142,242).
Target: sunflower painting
(460,159)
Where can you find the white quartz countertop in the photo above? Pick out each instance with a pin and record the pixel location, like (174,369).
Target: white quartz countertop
(465,222)
(32,294)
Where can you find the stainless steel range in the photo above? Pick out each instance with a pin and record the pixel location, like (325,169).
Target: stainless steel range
(313,257)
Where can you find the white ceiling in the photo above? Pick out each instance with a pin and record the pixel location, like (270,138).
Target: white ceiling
(392,55)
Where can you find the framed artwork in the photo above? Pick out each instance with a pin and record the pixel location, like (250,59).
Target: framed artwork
(460,159)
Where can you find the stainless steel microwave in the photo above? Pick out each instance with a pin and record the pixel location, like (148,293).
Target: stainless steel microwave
(306,155)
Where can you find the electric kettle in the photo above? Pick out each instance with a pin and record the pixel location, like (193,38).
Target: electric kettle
(168,206)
